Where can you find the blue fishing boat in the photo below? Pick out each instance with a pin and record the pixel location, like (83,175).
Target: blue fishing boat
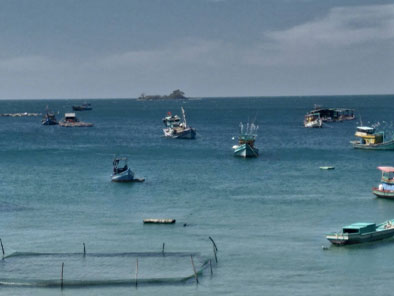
(362,232)
(246,139)
(371,140)
(49,119)
(177,129)
(121,171)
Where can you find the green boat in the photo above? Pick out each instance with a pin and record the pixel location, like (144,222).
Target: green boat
(361,233)
(371,140)
(246,139)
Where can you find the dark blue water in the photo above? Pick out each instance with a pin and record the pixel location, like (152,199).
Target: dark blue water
(268,216)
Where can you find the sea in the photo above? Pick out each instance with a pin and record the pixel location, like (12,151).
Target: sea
(268,216)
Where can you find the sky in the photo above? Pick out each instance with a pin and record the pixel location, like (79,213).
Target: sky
(207,48)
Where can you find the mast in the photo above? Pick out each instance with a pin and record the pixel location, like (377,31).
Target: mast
(184,116)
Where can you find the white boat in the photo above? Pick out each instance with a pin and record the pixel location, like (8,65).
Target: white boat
(313,120)
(70,120)
(177,129)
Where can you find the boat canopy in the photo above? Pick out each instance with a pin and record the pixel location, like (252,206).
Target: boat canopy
(69,115)
(366,129)
(385,169)
(360,228)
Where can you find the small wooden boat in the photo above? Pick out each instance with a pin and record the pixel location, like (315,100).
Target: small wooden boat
(386,187)
(83,107)
(70,120)
(176,129)
(121,171)
(49,119)
(371,140)
(246,139)
(313,120)
(362,232)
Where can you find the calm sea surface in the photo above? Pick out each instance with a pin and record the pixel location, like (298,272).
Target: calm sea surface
(268,216)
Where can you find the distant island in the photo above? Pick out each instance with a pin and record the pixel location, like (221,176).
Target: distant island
(175,95)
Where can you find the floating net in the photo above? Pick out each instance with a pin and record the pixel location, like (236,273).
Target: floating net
(100,269)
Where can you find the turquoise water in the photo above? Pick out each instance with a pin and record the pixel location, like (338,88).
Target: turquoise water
(268,216)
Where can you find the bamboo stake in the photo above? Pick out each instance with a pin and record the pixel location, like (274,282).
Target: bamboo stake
(210,266)
(162,251)
(61,276)
(2,248)
(194,269)
(84,249)
(214,253)
(136,274)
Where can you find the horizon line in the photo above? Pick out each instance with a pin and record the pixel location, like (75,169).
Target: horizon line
(199,98)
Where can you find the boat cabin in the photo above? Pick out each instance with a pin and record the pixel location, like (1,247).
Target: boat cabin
(247,139)
(70,117)
(359,228)
(120,165)
(368,135)
(171,120)
(387,174)
(312,117)
(334,114)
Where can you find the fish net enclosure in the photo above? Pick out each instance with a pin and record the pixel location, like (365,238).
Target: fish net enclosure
(100,269)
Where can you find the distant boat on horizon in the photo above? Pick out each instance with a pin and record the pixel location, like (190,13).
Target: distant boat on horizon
(83,107)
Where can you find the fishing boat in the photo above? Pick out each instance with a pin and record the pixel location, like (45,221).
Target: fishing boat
(177,129)
(246,139)
(121,171)
(371,140)
(83,107)
(49,119)
(333,114)
(70,120)
(313,120)
(362,232)
(386,187)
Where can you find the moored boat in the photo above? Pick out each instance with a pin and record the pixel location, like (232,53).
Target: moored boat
(362,232)
(246,139)
(83,107)
(121,171)
(177,129)
(333,114)
(371,140)
(313,120)
(49,119)
(386,187)
(70,120)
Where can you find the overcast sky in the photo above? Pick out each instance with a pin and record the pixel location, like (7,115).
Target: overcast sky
(121,48)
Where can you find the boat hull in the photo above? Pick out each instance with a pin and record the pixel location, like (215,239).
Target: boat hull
(80,108)
(313,124)
(126,176)
(187,133)
(49,122)
(245,151)
(383,146)
(383,193)
(345,239)
(75,124)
